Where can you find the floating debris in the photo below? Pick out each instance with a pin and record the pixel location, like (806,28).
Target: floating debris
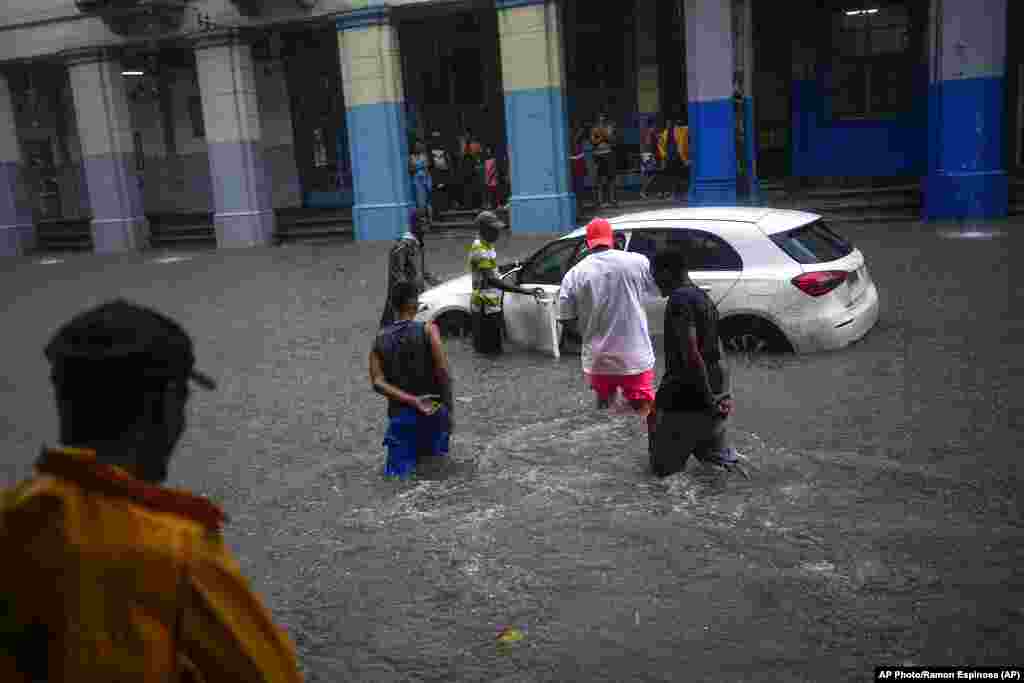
(508,635)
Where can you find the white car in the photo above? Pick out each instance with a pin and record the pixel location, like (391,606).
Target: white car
(782,280)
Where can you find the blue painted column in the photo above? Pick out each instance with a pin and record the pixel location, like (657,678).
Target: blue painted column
(533,77)
(242,198)
(966,111)
(371,72)
(710,88)
(108,155)
(17,230)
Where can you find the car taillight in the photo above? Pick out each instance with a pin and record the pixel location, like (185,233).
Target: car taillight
(820,282)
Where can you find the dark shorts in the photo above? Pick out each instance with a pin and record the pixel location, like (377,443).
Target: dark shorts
(413,436)
(487,332)
(605,165)
(678,435)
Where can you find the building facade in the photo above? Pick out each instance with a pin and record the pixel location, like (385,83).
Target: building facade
(117,111)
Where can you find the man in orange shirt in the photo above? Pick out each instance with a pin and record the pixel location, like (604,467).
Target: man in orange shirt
(108,575)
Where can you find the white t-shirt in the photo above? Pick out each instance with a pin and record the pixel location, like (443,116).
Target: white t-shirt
(606,292)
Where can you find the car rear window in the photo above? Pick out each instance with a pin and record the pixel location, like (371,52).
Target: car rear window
(813,243)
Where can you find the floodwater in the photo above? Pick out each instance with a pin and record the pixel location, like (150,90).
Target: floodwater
(881,524)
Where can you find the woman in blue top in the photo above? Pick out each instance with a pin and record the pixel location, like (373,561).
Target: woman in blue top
(419,166)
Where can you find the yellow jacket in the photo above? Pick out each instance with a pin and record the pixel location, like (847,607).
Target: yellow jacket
(131,582)
(682,139)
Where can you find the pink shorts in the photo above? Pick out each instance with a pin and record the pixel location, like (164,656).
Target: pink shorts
(638,387)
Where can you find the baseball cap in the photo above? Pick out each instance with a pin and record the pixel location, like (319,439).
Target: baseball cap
(489,219)
(599,232)
(120,336)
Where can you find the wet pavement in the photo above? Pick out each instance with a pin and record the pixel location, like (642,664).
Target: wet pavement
(882,523)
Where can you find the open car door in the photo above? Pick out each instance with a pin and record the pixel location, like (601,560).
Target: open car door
(534,324)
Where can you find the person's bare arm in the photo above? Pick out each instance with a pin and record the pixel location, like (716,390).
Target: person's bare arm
(441,371)
(388,390)
(399,266)
(726,370)
(724,400)
(498,283)
(567,316)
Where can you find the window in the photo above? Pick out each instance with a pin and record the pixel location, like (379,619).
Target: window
(620,238)
(549,265)
(646,242)
(704,251)
(813,243)
(873,59)
(711,252)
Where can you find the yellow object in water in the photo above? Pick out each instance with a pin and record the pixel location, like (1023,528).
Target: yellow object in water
(510,635)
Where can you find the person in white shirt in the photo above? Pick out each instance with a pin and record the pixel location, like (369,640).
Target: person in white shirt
(603,297)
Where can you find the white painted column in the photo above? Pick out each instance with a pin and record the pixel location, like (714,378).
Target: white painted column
(17,230)
(243,210)
(108,156)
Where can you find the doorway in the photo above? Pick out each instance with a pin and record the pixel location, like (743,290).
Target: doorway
(42,172)
(318,118)
(451,75)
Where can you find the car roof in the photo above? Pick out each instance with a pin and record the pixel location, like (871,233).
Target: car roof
(768,219)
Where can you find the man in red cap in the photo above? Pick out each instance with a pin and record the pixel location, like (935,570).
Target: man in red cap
(603,297)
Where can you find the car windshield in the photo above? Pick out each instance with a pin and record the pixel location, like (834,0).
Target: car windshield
(813,243)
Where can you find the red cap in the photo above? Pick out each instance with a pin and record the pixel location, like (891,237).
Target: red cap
(599,232)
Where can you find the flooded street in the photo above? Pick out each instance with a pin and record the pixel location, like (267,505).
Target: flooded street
(881,525)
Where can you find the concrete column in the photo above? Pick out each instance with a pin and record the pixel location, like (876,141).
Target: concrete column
(966,110)
(371,74)
(17,229)
(108,156)
(243,210)
(533,77)
(744,37)
(712,119)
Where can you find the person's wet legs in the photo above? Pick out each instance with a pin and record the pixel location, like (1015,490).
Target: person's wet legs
(487,333)
(676,435)
(652,425)
(715,450)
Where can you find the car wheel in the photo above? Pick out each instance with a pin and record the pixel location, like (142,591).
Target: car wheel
(454,325)
(752,336)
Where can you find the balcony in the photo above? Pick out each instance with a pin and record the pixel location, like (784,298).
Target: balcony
(137,17)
